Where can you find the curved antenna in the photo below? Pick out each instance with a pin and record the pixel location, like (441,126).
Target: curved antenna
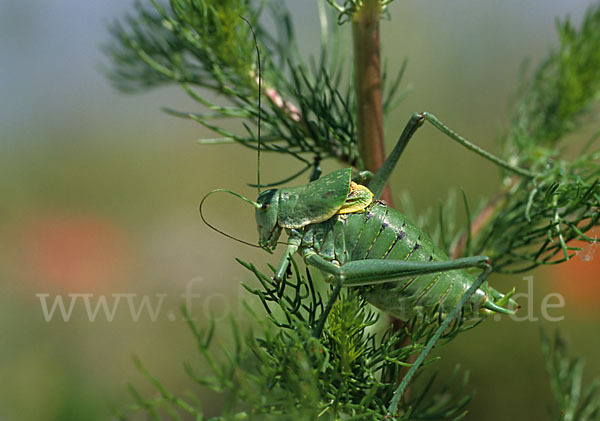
(256,205)
(259,101)
(258,185)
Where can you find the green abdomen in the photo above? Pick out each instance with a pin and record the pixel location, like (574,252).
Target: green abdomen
(384,233)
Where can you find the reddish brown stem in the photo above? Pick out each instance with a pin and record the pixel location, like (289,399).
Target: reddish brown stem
(368,83)
(367,69)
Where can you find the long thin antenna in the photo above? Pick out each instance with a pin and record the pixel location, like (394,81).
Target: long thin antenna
(259,100)
(217,229)
(245,199)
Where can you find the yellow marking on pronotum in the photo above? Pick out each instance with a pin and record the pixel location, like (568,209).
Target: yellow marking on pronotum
(358,199)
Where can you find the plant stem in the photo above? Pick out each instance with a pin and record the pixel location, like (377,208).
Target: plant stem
(367,70)
(368,85)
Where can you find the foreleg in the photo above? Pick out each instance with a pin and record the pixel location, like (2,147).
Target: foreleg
(294,240)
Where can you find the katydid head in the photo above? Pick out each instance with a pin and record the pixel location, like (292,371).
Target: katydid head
(266,215)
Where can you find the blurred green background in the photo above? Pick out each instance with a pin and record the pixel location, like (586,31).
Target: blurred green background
(100,193)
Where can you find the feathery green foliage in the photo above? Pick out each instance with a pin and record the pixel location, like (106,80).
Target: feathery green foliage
(284,372)
(533,220)
(204,44)
(564,85)
(566,378)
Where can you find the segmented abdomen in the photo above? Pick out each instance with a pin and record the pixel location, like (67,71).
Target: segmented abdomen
(384,233)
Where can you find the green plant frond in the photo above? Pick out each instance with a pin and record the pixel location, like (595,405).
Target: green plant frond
(532,221)
(571,400)
(563,87)
(535,219)
(206,45)
(361,366)
(282,371)
(448,402)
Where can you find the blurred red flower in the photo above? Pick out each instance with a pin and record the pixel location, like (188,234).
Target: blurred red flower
(76,253)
